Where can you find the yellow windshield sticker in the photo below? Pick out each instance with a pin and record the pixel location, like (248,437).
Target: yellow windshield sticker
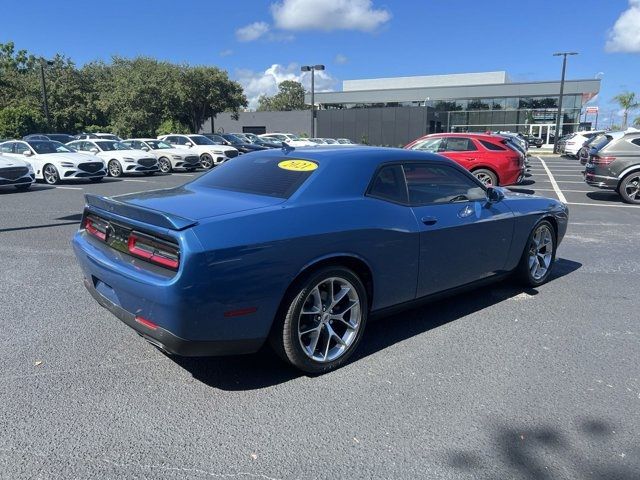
(298,165)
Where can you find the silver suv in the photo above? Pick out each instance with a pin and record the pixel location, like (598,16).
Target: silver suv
(614,164)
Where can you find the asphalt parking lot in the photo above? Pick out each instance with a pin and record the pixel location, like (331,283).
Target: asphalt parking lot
(497,383)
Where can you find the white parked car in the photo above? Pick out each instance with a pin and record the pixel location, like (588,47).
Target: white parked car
(169,158)
(120,159)
(15,172)
(102,136)
(288,138)
(210,153)
(54,161)
(575,142)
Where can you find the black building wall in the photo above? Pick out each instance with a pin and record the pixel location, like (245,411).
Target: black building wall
(392,126)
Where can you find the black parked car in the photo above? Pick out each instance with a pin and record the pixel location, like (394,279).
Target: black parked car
(614,164)
(233,141)
(534,141)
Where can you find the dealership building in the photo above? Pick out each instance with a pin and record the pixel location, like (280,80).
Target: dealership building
(393,111)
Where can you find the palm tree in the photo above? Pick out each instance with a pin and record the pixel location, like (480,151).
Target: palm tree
(636,122)
(627,102)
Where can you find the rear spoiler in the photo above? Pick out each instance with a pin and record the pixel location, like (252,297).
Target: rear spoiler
(141,214)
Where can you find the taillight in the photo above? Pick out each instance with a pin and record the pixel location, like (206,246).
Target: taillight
(96,228)
(154,250)
(598,160)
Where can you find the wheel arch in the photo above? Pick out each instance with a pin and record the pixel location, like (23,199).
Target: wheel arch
(627,171)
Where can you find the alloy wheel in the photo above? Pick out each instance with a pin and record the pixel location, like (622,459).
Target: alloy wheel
(329,320)
(114,168)
(165,165)
(50,174)
(632,188)
(485,178)
(206,161)
(540,252)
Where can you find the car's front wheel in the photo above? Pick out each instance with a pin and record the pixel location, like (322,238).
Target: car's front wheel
(206,161)
(629,188)
(50,174)
(114,168)
(322,320)
(539,255)
(165,165)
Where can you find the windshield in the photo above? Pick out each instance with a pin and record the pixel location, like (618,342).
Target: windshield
(46,146)
(601,141)
(109,145)
(291,136)
(232,138)
(259,175)
(217,139)
(158,144)
(201,140)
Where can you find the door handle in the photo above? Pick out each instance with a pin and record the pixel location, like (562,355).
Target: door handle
(471,159)
(429,220)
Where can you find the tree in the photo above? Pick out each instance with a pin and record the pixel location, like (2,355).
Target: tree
(627,102)
(18,121)
(290,96)
(636,122)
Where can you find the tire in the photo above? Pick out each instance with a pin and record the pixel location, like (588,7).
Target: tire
(206,161)
(294,332)
(114,168)
(50,174)
(487,177)
(96,179)
(24,187)
(165,165)
(629,188)
(530,274)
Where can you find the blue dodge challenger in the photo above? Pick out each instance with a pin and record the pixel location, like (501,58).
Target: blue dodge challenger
(299,247)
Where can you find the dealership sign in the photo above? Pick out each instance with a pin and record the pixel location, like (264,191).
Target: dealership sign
(592,110)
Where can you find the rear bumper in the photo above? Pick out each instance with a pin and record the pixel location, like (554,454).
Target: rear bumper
(173,344)
(601,181)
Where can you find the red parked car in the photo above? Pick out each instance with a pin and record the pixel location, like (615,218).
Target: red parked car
(488,157)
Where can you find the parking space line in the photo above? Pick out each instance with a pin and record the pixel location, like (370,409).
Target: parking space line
(553,182)
(70,188)
(602,205)
(132,180)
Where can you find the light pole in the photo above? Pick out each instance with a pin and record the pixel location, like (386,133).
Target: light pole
(312,69)
(559,114)
(45,101)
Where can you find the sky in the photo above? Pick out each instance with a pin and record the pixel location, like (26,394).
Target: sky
(261,43)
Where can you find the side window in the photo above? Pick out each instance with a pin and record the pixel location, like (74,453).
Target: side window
(429,145)
(388,184)
(21,147)
(491,146)
(7,147)
(636,141)
(459,144)
(171,139)
(436,184)
(179,140)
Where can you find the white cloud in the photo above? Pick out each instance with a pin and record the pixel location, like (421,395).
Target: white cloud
(251,32)
(226,53)
(625,34)
(340,59)
(266,82)
(328,15)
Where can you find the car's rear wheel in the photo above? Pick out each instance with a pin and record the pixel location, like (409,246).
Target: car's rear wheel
(114,168)
(165,165)
(50,174)
(487,177)
(630,188)
(24,187)
(322,320)
(206,161)
(539,255)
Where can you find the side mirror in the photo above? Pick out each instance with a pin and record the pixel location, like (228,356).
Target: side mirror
(27,153)
(494,195)
(146,149)
(94,150)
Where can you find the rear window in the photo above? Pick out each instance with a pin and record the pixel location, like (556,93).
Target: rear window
(270,176)
(491,146)
(601,141)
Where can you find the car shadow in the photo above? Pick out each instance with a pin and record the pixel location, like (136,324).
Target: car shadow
(265,369)
(9,189)
(545,452)
(522,190)
(67,220)
(606,196)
